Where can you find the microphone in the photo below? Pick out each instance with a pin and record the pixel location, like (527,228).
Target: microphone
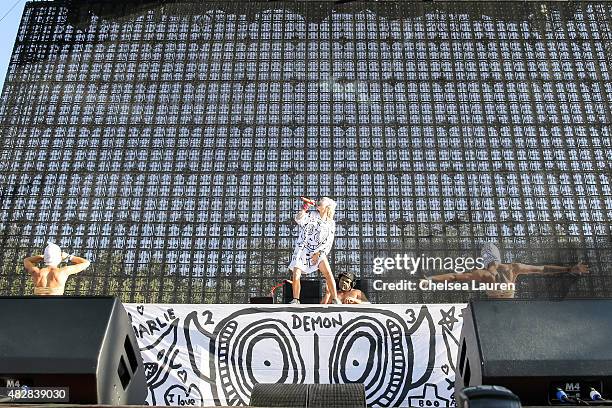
(561,395)
(595,395)
(307,202)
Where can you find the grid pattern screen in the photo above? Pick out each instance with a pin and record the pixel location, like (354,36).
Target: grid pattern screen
(169,143)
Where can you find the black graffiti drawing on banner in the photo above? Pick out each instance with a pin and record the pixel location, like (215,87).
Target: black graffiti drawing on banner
(430,398)
(451,343)
(386,368)
(234,342)
(154,333)
(181,396)
(232,355)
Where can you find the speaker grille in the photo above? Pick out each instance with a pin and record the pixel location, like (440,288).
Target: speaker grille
(336,395)
(279,395)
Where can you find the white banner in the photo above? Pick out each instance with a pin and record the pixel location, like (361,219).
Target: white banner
(214,354)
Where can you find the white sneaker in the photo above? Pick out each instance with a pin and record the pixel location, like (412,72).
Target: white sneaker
(295,302)
(336,301)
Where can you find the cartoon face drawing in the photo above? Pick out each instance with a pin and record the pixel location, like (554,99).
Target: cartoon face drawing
(158,338)
(311,345)
(260,352)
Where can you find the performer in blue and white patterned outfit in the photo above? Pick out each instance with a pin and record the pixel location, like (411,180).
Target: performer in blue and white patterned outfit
(317,231)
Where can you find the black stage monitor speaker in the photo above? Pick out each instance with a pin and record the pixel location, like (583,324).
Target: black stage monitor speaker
(336,395)
(85,344)
(279,395)
(534,348)
(488,396)
(308,395)
(310,293)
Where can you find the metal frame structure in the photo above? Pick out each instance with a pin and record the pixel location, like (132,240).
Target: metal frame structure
(168,142)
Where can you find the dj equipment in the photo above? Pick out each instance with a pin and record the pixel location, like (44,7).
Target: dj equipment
(86,344)
(308,395)
(310,293)
(260,300)
(536,347)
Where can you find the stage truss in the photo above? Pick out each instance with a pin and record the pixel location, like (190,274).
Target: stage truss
(168,142)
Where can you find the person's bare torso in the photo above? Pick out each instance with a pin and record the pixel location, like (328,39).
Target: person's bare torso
(504,273)
(49,281)
(353,293)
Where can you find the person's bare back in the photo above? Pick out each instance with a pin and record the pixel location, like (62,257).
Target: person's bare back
(51,279)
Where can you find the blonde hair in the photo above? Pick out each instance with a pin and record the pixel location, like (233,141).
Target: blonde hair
(330,206)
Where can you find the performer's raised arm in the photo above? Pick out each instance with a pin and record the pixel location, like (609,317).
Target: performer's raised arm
(524,269)
(78,264)
(31,263)
(478,275)
(301,217)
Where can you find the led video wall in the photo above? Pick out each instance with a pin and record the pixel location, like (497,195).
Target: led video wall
(169,142)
